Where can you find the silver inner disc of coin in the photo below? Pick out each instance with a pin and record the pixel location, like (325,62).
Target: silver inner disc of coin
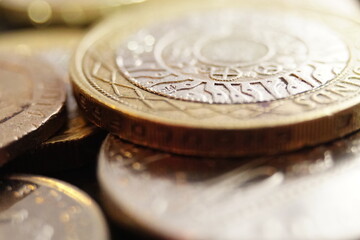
(233,56)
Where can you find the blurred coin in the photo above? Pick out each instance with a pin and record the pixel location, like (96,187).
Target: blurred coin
(71,12)
(78,139)
(221,78)
(348,8)
(310,194)
(32,98)
(34,207)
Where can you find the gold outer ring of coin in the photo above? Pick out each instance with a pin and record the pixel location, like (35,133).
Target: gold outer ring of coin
(32,98)
(179,197)
(44,12)
(115,74)
(33,206)
(55,46)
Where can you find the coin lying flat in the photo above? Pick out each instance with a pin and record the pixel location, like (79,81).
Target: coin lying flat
(32,98)
(55,46)
(34,207)
(44,12)
(310,194)
(221,79)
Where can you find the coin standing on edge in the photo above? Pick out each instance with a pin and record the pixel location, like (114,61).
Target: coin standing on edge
(310,194)
(77,137)
(33,207)
(32,98)
(70,12)
(221,79)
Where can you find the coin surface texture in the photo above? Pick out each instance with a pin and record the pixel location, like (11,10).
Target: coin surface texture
(72,145)
(70,12)
(309,194)
(54,46)
(34,207)
(221,79)
(32,98)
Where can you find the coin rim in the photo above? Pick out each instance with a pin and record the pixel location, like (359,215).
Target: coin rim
(305,129)
(78,195)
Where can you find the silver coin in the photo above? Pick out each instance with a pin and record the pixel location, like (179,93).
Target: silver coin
(39,208)
(311,194)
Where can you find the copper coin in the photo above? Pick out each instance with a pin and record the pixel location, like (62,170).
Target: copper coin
(32,98)
(40,208)
(310,194)
(69,147)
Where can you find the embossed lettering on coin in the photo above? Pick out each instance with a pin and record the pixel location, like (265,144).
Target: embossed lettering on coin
(228,79)
(233,57)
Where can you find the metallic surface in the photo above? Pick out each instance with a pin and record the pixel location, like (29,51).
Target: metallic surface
(41,208)
(310,194)
(219,57)
(32,98)
(55,46)
(201,79)
(70,12)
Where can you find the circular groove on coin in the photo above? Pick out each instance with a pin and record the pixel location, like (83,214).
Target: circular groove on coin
(33,207)
(261,81)
(210,58)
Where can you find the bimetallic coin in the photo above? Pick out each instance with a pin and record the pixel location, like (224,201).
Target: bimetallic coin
(34,207)
(222,78)
(32,98)
(44,12)
(55,46)
(310,194)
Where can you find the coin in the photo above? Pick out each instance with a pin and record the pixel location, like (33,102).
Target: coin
(44,12)
(309,194)
(221,78)
(33,207)
(346,8)
(32,98)
(56,46)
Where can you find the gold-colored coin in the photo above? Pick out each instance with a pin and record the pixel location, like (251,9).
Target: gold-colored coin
(71,12)
(309,194)
(346,8)
(56,46)
(33,207)
(32,98)
(225,78)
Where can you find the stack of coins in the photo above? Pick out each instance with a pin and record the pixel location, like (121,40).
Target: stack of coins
(184,119)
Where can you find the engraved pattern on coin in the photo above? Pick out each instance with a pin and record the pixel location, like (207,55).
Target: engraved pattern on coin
(110,99)
(232,57)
